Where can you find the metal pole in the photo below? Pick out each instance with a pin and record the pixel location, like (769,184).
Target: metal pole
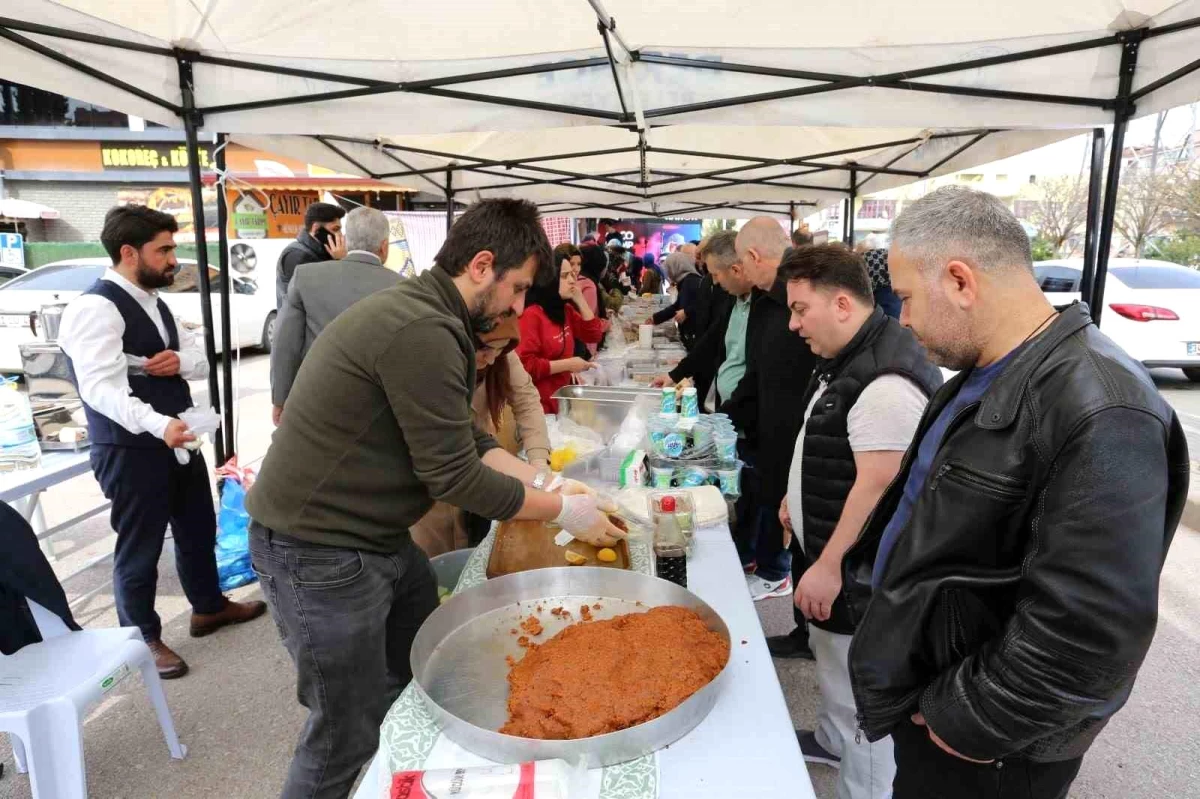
(792,217)
(224,277)
(850,204)
(1095,183)
(1124,112)
(449,199)
(846,220)
(190,122)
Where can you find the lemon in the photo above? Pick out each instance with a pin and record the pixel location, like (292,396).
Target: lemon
(575,559)
(607,555)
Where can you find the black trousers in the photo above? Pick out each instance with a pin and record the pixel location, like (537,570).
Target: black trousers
(924,771)
(150,489)
(347,618)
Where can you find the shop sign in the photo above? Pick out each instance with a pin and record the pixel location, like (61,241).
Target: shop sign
(152,156)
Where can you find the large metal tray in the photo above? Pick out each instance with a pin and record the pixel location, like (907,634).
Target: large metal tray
(459,667)
(601,408)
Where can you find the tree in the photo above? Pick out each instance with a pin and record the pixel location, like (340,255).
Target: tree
(1145,203)
(1061,211)
(1187,199)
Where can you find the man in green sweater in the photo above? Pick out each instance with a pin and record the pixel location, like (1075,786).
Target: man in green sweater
(377,426)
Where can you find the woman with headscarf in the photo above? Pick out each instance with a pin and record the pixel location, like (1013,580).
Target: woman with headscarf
(681,269)
(597,265)
(636,265)
(507,405)
(555,315)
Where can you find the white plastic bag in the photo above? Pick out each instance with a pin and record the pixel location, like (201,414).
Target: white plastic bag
(200,421)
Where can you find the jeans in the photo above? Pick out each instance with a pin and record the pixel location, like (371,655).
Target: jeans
(867,769)
(348,619)
(758,527)
(150,489)
(924,771)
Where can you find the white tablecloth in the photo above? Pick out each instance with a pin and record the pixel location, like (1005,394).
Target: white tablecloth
(746,746)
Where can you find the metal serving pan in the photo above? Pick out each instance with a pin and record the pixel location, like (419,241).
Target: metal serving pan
(600,408)
(459,667)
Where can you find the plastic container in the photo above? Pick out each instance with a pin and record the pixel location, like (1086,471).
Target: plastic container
(662,476)
(541,779)
(19,449)
(690,405)
(674,444)
(730,479)
(694,477)
(646,336)
(726,442)
(668,401)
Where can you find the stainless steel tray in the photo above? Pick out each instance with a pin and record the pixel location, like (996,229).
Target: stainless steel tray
(601,408)
(459,667)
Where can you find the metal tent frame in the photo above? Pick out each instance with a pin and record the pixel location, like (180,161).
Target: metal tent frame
(647,183)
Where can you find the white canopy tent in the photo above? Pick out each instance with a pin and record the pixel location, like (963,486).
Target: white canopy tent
(693,109)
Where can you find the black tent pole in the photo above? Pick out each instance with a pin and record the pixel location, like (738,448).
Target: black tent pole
(1095,184)
(850,205)
(449,199)
(224,279)
(190,123)
(1124,112)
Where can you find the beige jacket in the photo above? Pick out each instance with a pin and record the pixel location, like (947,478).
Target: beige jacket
(522,425)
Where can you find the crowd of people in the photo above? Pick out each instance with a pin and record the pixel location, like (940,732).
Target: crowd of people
(974,564)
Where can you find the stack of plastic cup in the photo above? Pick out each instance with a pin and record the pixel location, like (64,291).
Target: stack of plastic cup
(668,401)
(661,476)
(726,441)
(690,403)
(730,477)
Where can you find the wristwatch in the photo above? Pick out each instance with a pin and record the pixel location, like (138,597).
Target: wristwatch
(540,480)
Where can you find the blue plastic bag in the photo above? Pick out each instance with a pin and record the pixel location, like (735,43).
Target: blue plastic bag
(233,539)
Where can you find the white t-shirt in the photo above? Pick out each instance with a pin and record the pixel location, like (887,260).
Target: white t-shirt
(884,419)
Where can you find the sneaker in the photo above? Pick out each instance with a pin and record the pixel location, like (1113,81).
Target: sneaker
(815,753)
(761,589)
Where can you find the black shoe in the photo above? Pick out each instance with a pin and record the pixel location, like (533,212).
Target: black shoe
(789,647)
(815,753)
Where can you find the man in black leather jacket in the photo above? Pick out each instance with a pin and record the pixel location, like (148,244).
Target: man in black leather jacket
(1006,585)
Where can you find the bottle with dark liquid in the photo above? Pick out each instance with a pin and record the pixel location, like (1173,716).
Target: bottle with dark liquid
(670,545)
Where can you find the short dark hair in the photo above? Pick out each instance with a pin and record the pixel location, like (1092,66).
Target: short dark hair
(134,225)
(801,238)
(509,229)
(321,213)
(829,267)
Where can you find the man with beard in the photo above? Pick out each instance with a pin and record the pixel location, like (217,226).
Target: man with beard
(1007,583)
(131,361)
(378,426)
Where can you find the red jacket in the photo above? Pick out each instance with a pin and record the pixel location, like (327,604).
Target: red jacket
(543,341)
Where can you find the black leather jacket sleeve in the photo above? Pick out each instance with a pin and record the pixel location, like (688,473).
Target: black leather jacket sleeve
(1086,608)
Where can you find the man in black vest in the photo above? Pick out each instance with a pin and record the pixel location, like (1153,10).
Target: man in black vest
(131,360)
(870,386)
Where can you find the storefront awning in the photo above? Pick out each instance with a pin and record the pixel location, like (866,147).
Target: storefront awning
(13,208)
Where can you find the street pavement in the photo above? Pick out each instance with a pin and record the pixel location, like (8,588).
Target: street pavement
(237,713)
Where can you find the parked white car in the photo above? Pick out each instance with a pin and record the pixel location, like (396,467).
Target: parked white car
(252,307)
(1151,308)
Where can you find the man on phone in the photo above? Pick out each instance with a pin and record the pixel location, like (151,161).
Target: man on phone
(321,240)
(132,421)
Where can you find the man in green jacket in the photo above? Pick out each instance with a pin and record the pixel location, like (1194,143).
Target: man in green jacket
(377,426)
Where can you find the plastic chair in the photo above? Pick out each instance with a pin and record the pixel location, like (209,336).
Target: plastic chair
(47,687)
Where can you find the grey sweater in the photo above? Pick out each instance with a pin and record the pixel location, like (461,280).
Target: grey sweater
(379,424)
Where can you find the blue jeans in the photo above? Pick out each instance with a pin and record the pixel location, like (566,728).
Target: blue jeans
(348,619)
(758,526)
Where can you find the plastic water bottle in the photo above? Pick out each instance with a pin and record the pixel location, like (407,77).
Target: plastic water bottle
(18,437)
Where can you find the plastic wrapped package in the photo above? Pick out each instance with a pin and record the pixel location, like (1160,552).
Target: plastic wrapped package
(541,779)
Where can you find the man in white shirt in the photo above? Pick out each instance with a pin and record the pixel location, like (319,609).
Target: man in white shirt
(871,384)
(131,361)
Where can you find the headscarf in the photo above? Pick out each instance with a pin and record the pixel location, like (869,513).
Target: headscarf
(495,378)
(594,262)
(679,265)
